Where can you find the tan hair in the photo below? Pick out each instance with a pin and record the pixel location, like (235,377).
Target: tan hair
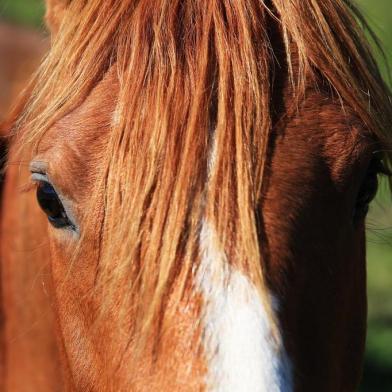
(184,68)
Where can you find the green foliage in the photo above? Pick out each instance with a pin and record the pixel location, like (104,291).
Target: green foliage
(379,16)
(24,12)
(378,361)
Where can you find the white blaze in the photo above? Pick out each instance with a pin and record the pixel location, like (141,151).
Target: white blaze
(241,353)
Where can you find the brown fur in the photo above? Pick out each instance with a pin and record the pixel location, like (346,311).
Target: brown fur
(29,357)
(21,51)
(280,87)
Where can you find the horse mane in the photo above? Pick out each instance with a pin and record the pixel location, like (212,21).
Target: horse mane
(192,75)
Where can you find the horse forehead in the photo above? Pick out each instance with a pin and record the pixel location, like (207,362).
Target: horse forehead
(88,122)
(82,134)
(320,140)
(77,142)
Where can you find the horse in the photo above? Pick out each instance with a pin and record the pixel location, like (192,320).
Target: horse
(204,170)
(21,51)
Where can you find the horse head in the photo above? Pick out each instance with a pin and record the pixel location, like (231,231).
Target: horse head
(206,169)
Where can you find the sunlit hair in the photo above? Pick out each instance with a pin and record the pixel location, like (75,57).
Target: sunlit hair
(195,85)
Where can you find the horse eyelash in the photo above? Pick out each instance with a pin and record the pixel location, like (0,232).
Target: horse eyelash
(28,187)
(382,168)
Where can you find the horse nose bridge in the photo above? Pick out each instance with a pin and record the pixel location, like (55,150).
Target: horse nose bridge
(239,341)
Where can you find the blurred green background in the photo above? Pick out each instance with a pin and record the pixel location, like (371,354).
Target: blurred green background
(378,362)
(23,12)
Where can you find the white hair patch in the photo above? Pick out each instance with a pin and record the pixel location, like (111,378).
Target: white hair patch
(242,354)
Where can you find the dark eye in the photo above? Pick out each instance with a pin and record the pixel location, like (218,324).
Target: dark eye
(52,206)
(368,189)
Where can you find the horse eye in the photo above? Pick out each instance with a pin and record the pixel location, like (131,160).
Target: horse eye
(368,189)
(52,206)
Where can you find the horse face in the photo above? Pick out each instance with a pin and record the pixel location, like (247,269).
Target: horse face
(75,145)
(313,238)
(319,179)
(314,235)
